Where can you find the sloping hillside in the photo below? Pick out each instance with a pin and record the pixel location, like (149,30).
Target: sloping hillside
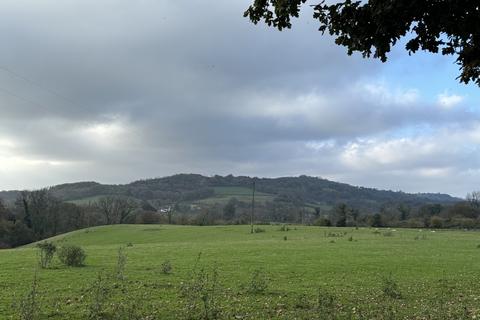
(195,187)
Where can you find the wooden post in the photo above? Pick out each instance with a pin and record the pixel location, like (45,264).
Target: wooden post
(253,206)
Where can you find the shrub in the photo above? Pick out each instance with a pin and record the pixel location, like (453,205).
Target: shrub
(28,307)
(326,303)
(259,230)
(47,250)
(201,294)
(121,263)
(285,238)
(72,256)
(436,222)
(335,235)
(166,267)
(323,222)
(100,292)
(390,288)
(258,282)
(302,302)
(376,220)
(284,227)
(422,237)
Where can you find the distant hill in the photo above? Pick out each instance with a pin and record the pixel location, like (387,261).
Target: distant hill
(302,190)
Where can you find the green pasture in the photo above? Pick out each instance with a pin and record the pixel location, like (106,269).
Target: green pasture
(87,200)
(437,272)
(223,194)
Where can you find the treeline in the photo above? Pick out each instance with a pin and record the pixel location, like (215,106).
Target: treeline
(194,187)
(463,214)
(37,215)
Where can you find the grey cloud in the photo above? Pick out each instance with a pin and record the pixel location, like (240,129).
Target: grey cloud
(192,87)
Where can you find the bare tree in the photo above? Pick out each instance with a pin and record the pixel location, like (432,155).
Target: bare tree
(115,209)
(3,210)
(474,199)
(124,207)
(105,206)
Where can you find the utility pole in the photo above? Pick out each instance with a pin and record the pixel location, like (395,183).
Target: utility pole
(253,206)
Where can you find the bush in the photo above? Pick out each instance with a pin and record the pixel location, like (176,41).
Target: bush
(323,222)
(436,222)
(28,307)
(390,288)
(121,263)
(100,292)
(335,235)
(259,230)
(72,256)
(166,267)
(326,303)
(202,294)
(258,282)
(422,237)
(47,250)
(284,227)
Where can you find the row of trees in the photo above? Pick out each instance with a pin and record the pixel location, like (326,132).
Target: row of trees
(37,215)
(465,214)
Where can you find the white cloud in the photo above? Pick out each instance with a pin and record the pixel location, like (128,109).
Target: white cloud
(381,93)
(448,101)
(392,153)
(6,143)
(112,134)
(321,145)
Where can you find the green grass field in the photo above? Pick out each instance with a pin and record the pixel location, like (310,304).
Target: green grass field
(224,194)
(86,201)
(437,273)
(221,195)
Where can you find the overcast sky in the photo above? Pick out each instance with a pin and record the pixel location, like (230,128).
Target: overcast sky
(118,90)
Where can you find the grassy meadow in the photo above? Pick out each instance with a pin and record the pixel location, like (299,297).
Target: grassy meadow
(223,194)
(225,272)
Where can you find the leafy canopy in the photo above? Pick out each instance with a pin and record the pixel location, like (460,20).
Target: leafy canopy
(372,27)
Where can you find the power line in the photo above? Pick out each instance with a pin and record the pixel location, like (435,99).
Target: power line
(13,94)
(38,85)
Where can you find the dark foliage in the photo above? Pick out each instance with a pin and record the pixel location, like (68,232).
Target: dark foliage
(36,215)
(72,256)
(372,27)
